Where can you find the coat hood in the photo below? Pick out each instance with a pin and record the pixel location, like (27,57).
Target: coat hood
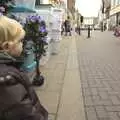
(5,58)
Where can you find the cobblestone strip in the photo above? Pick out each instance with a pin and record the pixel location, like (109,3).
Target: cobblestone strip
(100,77)
(71,104)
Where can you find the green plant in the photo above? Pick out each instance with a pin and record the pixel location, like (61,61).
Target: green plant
(7,5)
(36,31)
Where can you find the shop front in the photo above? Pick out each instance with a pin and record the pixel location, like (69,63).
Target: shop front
(118,18)
(113,20)
(115,16)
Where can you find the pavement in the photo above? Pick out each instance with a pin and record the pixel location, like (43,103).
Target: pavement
(61,94)
(99,63)
(83,80)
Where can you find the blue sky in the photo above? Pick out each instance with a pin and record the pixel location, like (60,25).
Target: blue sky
(88,8)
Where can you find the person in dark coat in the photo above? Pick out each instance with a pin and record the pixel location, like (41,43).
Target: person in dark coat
(67,25)
(79,29)
(18,100)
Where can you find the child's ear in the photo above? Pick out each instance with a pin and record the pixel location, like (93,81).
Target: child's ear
(6,45)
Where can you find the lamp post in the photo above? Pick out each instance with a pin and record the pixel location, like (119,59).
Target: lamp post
(103,6)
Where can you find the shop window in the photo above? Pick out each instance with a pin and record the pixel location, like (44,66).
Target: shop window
(118,2)
(112,3)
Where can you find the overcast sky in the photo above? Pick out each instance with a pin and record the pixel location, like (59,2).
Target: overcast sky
(88,8)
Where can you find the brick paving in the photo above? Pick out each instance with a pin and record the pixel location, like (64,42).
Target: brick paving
(99,63)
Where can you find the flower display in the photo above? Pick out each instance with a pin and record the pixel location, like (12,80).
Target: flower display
(34,24)
(36,31)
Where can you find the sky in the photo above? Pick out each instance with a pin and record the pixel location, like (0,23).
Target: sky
(88,8)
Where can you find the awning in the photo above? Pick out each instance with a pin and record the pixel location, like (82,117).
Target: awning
(22,9)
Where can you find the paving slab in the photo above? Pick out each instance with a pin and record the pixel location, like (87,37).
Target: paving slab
(49,100)
(53,71)
(61,94)
(51,117)
(71,103)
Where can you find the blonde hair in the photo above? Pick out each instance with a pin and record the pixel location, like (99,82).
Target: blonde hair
(10,30)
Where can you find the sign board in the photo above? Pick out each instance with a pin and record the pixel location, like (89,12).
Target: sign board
(57,19)
(45,15)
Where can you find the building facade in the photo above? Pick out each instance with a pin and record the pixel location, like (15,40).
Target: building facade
(77,19)
(92,21)
(71,7)
(104,14)
(115,12)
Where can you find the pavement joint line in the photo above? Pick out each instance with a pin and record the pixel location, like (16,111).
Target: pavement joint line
(60,95)
(52,114)
(81,97)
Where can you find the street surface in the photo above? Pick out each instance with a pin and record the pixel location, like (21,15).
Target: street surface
(82,82)
(99,65)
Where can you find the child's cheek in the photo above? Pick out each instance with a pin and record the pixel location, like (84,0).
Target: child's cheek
(16,49)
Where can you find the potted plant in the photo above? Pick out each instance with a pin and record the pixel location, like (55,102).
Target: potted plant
(36,31)
(6,6)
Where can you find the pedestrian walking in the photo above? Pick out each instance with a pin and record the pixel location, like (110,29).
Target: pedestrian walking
(67,25)
(79,30)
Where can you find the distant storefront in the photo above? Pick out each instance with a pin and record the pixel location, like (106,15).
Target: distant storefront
(118,18)
(113,20)
(115,15)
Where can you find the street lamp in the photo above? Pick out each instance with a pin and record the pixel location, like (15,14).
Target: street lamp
(103,7)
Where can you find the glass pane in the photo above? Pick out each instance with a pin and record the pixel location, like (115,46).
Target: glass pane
(26,3)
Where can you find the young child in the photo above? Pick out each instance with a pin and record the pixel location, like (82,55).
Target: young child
(18,101)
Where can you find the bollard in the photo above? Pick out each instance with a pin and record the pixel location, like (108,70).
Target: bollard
(88,31)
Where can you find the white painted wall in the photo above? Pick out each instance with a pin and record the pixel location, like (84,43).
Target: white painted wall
(45,2)
(100,17)
(88,21)
(65,2)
